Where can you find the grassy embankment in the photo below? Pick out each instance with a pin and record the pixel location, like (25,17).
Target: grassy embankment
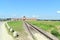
(50,26)
(18,26)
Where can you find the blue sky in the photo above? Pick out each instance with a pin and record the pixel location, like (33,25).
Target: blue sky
(43,9)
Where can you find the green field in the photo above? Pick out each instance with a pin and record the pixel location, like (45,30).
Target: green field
(52,27)
(18,26)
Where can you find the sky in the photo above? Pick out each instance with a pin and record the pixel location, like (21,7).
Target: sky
(42,9)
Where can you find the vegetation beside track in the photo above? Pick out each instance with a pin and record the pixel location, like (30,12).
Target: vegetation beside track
(18,27)
(50,26)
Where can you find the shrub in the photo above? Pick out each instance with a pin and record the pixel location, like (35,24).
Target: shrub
(55,33)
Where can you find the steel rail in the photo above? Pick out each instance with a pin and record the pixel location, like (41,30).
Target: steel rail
(39,31)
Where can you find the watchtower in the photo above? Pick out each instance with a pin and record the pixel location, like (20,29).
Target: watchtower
(24,18)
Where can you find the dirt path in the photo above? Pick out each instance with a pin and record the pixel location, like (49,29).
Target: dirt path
(3,32)
(37,35)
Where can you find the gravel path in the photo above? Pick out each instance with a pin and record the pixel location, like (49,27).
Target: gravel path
(36,34)
(3,32)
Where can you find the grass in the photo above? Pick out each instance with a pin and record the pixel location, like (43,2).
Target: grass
(50,26)
(55,33)
(18,26)
(43,25)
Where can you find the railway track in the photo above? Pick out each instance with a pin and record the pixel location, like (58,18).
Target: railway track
(37,34)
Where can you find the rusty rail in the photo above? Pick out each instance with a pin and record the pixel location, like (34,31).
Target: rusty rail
(39,31)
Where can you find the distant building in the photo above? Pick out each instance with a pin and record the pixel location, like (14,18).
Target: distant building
(23,18)
(15,19)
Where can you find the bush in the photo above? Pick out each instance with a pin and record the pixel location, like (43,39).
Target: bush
(55,33)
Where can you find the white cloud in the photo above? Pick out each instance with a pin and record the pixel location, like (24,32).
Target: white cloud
(58,11)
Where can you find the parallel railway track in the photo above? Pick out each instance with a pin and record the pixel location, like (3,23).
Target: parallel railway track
(33,30)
